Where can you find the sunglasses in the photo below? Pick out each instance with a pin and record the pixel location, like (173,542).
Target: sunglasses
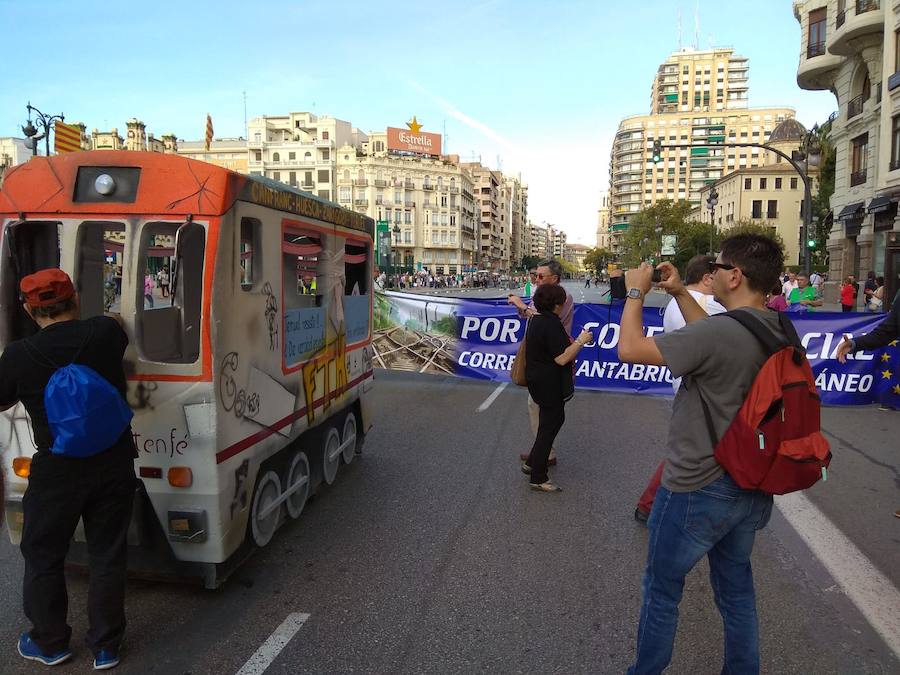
(544,276)
(713,266)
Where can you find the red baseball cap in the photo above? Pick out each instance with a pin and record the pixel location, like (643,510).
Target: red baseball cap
(47,287)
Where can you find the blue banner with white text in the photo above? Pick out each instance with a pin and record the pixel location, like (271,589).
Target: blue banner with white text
(489,331)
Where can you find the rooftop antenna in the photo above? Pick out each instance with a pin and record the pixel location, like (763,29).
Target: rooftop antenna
(679,29)
(246,134)
(499,164)
(697,27)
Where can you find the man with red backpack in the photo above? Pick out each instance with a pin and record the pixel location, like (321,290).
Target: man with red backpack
(702,509)
(70,379)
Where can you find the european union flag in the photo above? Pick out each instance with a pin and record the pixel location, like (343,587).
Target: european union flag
(887,377)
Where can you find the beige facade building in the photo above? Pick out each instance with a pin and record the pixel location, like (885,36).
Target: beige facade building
(229,153)
(299,149)
(575,254)
(540,240)
(851,48)
(514,233)
(136,138)
(700,101)
(487,185)
(603,221)
(771,194)
(429,203)
(557,242)
(12,153)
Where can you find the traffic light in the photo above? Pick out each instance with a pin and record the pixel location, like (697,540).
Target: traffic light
(656,153)
(811,243)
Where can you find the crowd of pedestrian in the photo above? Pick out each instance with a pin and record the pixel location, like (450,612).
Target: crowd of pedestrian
(424,278)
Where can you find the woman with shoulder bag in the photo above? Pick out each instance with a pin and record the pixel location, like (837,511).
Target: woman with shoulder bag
(549,358)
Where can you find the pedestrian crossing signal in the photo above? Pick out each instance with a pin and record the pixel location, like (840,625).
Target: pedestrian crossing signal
(656,153)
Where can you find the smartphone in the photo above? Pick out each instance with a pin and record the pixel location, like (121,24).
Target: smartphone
(657,276)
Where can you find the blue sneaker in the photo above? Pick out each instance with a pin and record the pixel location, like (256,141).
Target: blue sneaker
(28,649)
(105,659)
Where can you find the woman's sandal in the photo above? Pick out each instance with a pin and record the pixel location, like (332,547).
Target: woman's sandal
(546,486)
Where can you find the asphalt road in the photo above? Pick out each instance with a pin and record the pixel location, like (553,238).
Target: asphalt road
(430,555)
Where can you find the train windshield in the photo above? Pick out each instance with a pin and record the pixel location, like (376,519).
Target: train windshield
(98,268)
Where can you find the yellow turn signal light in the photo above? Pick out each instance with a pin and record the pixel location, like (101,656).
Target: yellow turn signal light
(181,476)
(22,466)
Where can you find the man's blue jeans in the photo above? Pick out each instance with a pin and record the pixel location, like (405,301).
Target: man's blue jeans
(720,521)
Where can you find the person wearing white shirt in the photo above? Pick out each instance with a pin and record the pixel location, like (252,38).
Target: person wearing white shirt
(698,280)
(789,285)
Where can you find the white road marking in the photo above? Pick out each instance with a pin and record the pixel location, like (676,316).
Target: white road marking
(271,648)
(493,397)
(872,593)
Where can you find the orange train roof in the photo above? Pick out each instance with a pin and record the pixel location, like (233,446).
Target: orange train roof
(172,184)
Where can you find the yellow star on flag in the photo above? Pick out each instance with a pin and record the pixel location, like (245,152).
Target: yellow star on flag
(414,126)
(886,374)
(885,357)
(892,344)
(897,389)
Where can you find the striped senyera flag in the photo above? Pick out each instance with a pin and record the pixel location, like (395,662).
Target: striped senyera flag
(67,137)
(209,130)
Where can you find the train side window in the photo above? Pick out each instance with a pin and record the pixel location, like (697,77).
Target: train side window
(250,252)
(169,291)
(300,254)
(98,267)
(28,247)
(357,303)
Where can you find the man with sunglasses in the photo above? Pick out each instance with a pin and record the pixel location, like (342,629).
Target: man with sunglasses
(547,272)
(699,510)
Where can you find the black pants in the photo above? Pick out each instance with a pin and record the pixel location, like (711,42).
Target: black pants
(100,490)
(550,421)
(846,308)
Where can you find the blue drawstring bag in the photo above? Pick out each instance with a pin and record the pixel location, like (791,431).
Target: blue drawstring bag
(85,412)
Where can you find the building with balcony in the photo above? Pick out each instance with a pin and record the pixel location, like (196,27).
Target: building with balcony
(487,184)
(299,149)
(540,240)
(850,47)
(428,201)
(771,194)
(707,109)
(558,240)
(575,254)
(603,221)
(514,233)
(12,153)
(229,153)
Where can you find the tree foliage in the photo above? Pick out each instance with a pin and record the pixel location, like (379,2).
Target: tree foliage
(530,261)
(643,241)
(821,203)
(596,259)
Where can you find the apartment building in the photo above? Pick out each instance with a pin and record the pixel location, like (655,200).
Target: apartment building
(575,254)
(603,221)
(487,185)
(540,240)
(852,48)
(13,151)
(229,153)
(770,194)
(514,234)
(429,202)
(299,149)
(557,240)
(700,102)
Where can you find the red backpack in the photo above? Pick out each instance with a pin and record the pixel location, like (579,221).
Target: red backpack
(775,444)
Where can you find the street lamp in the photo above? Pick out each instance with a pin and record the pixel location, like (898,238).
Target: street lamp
(45,121)
(711,202)
(394,254)
(811,151)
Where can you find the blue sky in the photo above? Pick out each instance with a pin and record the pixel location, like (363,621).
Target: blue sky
(541,85)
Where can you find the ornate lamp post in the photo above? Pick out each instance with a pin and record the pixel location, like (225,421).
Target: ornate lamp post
(43,120)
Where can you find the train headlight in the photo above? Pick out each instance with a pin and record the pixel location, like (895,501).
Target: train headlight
(105,184)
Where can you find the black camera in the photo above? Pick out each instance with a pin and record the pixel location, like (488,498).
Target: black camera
(657,276)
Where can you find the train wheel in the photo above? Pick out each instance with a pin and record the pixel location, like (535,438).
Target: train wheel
(265,509)
(332,455)
(297,484)
(349,437)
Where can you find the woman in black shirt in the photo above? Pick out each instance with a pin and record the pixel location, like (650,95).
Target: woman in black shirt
(549,356)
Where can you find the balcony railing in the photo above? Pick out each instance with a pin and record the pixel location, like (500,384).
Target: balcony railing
(840,18)
(409,203)
(427,186)
(815,49)
(855,106)
(894,165)
(308,185)
(361,182)
(857,178)
(380,183)
(454,191)
(361,202)
(408,184)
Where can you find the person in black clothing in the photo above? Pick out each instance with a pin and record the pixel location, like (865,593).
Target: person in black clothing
(98,489)
(549,355)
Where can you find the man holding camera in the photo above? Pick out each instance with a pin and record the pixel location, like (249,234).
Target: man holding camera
(699,510)
(548,272)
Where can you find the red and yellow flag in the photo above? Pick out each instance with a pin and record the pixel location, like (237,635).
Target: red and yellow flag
(209,130)
(67,137)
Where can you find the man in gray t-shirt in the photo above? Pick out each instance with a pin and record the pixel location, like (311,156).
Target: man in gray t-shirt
(699,510)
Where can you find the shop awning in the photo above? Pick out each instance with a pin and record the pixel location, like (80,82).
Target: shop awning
(880,204)
(851,211)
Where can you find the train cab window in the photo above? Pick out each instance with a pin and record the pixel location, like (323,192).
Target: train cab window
(169,291)
(28,247)
(357,303)
(98,267)
(250,251)
(301,252)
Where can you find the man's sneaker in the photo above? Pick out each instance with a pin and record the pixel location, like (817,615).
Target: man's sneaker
(28,649)
(641,516)
(105,659)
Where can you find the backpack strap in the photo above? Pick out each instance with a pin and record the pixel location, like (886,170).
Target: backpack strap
(46,360)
